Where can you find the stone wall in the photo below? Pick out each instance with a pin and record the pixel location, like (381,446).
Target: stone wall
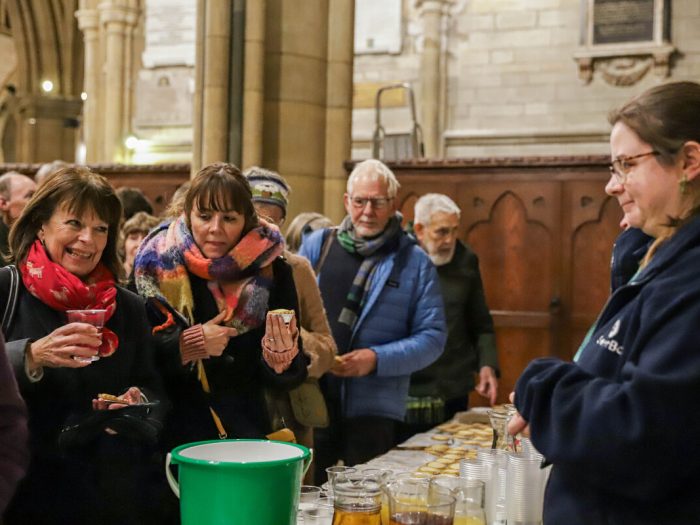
(511,84)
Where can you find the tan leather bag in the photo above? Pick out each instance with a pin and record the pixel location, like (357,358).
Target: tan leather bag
(309,405)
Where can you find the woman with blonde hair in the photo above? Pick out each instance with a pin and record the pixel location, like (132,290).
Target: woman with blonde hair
(302,225)
(134,231)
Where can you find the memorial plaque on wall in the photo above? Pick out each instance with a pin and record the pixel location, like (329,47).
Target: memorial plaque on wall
(619,21)
(170,33)
(377,26)
(164,97)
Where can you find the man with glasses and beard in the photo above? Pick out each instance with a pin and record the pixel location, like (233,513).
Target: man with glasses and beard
(383,302)
(442,389)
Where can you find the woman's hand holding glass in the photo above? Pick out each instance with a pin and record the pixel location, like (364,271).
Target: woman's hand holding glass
(517,424)
(280,337)
(67,346)
(279,343)
(216,337)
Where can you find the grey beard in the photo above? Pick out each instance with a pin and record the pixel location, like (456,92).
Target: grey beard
(441,260)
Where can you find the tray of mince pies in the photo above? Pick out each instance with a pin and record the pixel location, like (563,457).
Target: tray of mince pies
(453,441)
(446,460)
(475,434)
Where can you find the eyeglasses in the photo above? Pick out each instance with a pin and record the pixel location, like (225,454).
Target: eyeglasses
(377,203)
(621,166)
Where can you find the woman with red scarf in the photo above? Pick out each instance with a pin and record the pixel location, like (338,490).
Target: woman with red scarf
(64,246)
(211,276)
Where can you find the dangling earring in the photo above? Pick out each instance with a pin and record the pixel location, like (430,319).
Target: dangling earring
(683,184)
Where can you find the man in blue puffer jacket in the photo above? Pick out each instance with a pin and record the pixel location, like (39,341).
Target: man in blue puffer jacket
(383,301)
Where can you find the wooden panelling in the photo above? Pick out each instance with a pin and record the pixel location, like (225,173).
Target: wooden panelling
(543,229)
(158,182)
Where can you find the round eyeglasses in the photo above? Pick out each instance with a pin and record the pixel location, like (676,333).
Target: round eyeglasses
(621,166)
(377,203)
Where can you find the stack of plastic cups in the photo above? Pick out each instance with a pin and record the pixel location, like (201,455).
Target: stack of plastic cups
(524,488)
(494,465)
(493,462)
(473,469)
(530,450)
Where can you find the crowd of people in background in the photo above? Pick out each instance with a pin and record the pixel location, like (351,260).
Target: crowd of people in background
(387,333)
(195,286)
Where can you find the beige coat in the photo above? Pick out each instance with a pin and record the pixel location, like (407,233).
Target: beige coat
(316,335)
(318,344)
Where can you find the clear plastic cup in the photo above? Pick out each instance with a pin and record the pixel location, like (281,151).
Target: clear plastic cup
(318,515)
(308,496)
(95,317)
(336,474)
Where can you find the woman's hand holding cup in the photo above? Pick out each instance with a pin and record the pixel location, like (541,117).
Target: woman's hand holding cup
(279,344)
(73,345)
(280,336)
(94,317)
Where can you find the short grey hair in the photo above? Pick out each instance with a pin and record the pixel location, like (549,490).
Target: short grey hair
(374,169)
(6,180)
(48,169)
(432,203)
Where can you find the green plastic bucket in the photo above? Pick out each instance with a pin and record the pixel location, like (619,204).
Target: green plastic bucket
(238,481)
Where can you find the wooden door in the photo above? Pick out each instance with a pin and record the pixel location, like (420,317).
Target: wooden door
(513,226)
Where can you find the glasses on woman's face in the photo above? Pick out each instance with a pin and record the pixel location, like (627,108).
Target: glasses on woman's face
(377,203)
(621,166)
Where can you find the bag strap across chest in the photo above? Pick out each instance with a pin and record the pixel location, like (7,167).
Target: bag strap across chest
(10,288)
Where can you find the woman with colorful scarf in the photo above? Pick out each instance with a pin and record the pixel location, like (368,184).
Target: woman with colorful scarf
(64,246)
(211,276)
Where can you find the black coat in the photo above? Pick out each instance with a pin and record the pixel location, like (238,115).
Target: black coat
(237,378)
(470,335)
(86,484)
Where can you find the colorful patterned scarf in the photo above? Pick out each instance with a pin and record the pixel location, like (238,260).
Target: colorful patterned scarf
(239,281)
(372,250)
(58,288)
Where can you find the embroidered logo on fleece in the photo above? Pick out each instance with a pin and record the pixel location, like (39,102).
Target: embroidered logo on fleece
(615,329)
(610,343)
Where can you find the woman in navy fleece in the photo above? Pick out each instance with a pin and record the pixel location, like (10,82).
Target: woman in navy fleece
(622,424)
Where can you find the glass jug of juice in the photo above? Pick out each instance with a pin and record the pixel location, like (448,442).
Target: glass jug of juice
(358,501)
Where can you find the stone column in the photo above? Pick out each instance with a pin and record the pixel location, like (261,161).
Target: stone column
(88,22)
(294,136)
(254,84)
(117,20)
(212,73)
(341,25)
(431,73)
(48,128)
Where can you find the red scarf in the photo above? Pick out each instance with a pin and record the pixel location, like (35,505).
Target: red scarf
(58,288)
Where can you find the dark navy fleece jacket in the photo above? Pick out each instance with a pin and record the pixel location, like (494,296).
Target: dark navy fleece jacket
(622,425)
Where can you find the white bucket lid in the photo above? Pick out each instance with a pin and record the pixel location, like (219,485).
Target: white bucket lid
(241,452)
